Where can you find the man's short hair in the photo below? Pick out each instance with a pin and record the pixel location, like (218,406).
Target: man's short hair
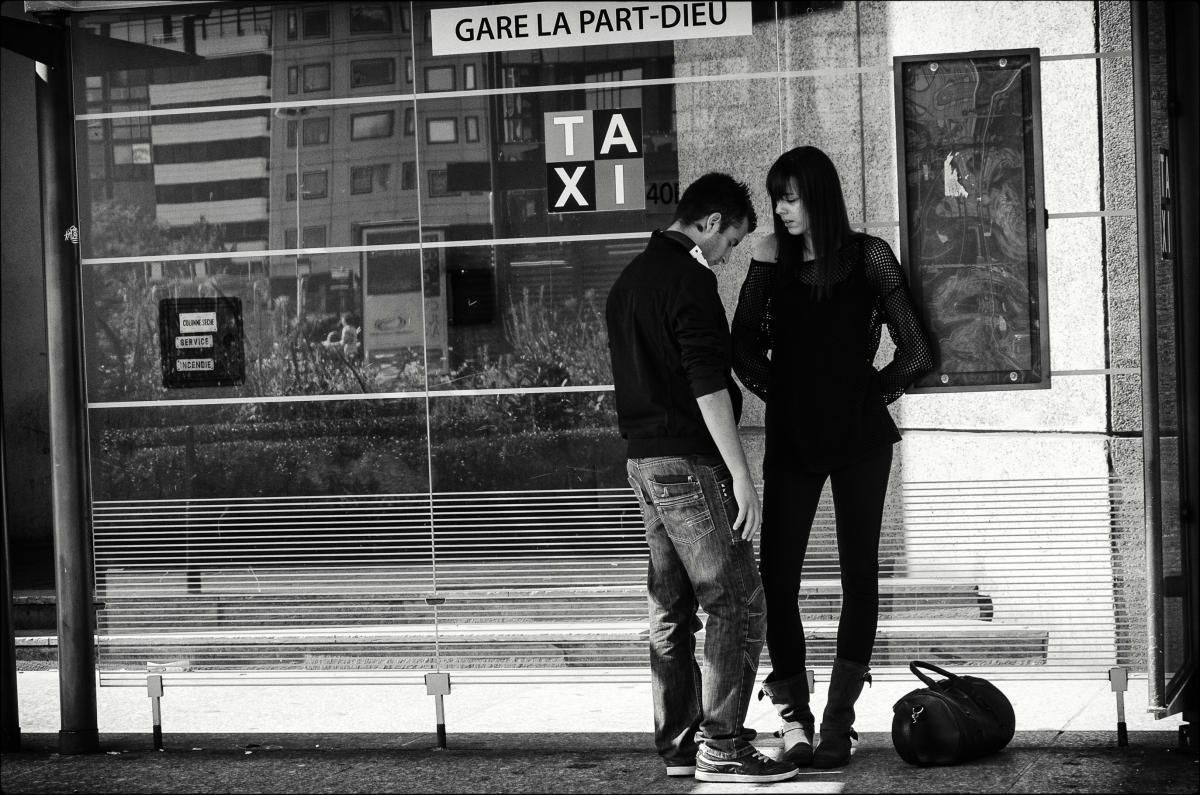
(717,193)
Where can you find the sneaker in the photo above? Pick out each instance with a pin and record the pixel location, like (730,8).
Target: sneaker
(749,768)
(681,770)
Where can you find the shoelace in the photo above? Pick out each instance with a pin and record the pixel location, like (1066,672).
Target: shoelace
(761,757)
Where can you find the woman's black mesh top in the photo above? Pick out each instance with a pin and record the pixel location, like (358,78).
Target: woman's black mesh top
(813,353)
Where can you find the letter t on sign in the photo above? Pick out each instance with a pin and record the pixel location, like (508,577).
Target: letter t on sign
(568,122)
(569,136)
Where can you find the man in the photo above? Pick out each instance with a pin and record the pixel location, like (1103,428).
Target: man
(678,407)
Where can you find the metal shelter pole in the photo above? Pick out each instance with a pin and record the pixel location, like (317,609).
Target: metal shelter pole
(9,711)
(1151,476)
(68,419)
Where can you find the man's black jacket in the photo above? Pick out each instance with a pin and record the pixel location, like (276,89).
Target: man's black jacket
(668,338)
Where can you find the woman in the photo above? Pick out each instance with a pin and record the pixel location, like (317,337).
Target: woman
(815,298)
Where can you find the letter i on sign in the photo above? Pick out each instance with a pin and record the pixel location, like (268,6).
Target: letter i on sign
(620,167)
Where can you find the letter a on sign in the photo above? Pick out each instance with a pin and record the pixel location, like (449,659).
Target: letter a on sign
(618,133)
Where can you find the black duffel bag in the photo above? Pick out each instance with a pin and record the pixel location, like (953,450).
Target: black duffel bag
(951,721)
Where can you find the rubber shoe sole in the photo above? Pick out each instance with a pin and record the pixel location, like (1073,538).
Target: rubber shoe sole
(750,769)
(744,778)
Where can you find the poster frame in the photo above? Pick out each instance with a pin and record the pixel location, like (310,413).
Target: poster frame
(1037,374)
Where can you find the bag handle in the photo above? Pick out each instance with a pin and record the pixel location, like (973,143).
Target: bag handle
(916,664)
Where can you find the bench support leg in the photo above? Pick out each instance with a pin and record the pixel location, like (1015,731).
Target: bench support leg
(1118,679)
(438,685)
(154,688)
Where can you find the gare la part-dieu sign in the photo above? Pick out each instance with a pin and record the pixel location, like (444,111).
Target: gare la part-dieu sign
(594,160)
(537,26)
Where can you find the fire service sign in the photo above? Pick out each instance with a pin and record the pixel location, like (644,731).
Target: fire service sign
(594,160)
(201,342)
(538,26)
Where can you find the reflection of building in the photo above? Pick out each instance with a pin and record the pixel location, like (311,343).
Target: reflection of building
(356,175)
(523,206)
(188,167)
(511,165)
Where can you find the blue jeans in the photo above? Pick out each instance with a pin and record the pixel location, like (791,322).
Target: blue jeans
(698,560)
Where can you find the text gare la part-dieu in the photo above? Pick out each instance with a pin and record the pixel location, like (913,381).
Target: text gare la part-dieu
(589,20)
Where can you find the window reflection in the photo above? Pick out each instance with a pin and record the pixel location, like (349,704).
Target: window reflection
(316,77)
(373,72)
(370,18)
(447,297)
(525,442)
(252,450)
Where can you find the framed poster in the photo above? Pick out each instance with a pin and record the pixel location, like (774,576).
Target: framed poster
(972,215)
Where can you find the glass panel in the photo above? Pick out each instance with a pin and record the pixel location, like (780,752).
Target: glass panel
(295,315)
(297,449)
(526,315)
(525,442)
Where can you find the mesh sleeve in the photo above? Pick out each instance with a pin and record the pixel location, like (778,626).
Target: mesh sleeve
(913,357)
(752,328)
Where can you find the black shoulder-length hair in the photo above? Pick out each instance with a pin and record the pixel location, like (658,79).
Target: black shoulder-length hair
(820,189)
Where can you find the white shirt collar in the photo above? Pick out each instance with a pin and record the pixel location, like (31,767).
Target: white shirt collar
(694,251)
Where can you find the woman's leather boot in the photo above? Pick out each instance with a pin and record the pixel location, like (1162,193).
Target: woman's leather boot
(837,723)
(790,697)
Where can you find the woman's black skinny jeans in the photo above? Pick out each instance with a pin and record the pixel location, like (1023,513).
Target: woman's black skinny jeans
(790,500)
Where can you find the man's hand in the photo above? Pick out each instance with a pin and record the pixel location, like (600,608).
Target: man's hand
(718,416)
(749,516)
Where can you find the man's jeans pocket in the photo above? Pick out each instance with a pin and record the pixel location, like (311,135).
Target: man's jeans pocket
(681,503)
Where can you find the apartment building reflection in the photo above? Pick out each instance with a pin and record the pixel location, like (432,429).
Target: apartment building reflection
(430,163)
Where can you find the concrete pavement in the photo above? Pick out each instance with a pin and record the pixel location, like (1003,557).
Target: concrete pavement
(548,738)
